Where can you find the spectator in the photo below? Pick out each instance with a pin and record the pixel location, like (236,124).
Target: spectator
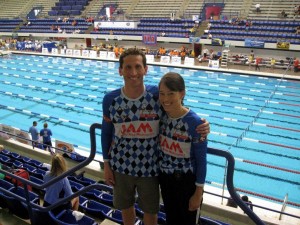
(182,173)
(257,62)
(246,200)
(209,36)
(298,30)
(74,23)
(46,134)
(35,136)
(272,62)
(296,65)
(66,19)
(283,14)
(257,7)
(231,203)
(77,31)
(60,189)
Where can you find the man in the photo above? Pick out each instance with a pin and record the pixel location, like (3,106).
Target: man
(34,134)
(131,117)
(257,7)
(46,134)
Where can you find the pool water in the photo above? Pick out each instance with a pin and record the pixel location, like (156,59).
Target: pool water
(256,118)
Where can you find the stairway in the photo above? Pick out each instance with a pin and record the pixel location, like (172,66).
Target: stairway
(225,54)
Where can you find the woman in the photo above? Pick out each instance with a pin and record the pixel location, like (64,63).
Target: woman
(182,155)
(60,189)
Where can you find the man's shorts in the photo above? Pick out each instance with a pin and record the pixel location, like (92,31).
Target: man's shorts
(127,188)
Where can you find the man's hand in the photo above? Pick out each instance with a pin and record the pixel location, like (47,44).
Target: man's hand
(204,128)
(108,175)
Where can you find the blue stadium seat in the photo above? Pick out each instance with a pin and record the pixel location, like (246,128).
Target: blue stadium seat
(7,186)
(66,218)
(17,207)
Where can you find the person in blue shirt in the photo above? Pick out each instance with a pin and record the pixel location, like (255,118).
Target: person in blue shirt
(182,154)
(60,189)
(46,133)
(35,136)
(129,139)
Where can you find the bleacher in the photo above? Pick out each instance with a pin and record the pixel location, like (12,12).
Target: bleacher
(265,31)
(96,204)
(44,26)
(176,28)
(68,8)
(9,25)
(271,9)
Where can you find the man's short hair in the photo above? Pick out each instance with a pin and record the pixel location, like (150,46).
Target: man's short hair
(132,51)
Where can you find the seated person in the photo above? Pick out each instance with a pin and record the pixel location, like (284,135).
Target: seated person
(245,199)
(60,189)
(257,7)
(231,203)
(283,14)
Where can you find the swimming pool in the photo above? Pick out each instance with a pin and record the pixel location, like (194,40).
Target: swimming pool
(255,118)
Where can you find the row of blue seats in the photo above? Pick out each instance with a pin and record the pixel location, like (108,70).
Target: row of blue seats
(68,7)
(6,30)
(64,13)
(262,22)
(49,27)
(262,39)
(165,20)
(54,20)
(3,23)
(177,35)
(258,34)
(165,25)
(46,31)
(260,28)
(11,20)
(150,29)
(58,23)
(7,27)
(80,2)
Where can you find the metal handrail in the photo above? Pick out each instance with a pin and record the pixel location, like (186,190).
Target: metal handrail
(230,185)
(221,153)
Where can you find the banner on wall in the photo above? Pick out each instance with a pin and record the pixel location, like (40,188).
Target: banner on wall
(69,52)
(54,51)
(65,146)
(213,63)
(111,55)
(149,39)
(176,60)
(92,54)
(165,59)
(217,41)
(45,50)
(103,54)
(85,53)
(76,52)
(189,61)
(283,45)
(194,39)
(150,58)
(254,43)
